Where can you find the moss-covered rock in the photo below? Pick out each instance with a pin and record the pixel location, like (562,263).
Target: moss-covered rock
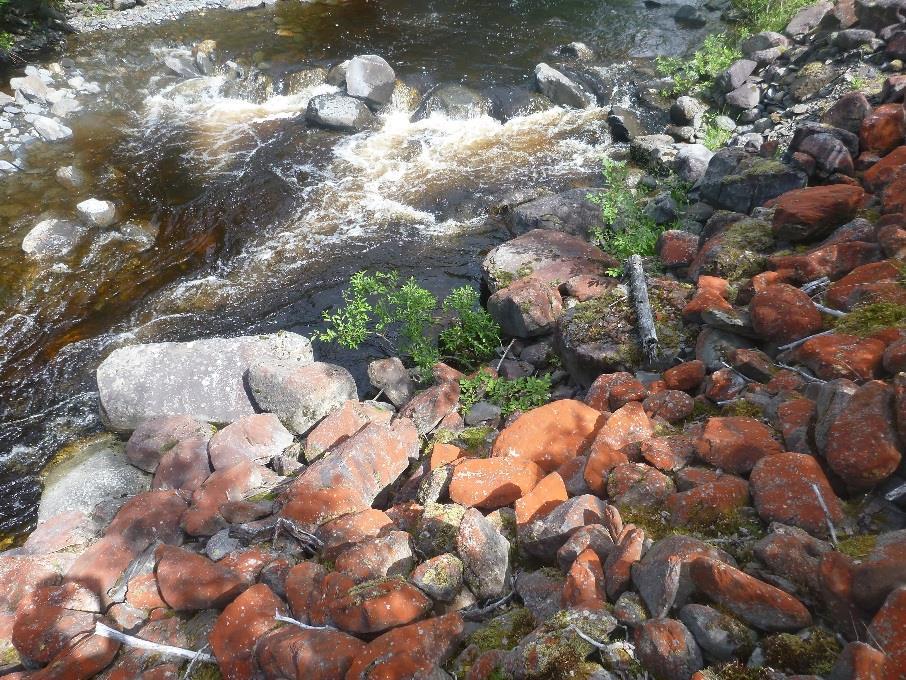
(737,253)
(810,653)
(600,335)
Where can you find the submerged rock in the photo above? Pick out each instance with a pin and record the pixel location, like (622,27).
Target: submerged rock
(53,238)
(338,112)
(562,90)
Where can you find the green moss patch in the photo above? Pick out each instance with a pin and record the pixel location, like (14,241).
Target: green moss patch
(868,319)
(811,654)
(505,631)
(858,547)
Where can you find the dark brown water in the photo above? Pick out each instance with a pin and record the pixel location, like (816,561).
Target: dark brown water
(259,218)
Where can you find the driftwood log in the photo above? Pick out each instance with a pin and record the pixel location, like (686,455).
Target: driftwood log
(645,318)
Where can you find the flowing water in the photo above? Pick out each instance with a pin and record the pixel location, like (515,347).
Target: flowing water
(259,219)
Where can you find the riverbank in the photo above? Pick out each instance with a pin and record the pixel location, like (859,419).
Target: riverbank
(687,464)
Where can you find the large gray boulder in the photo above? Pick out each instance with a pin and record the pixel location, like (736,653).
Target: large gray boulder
(739,181)
(692,162)
(877,14)
(204,379)
(562,90)
(371,78)
(300,395)
(571,212)
(338,112)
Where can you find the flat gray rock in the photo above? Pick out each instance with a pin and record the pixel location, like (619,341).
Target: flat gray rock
(53,238)
(96,472)
(204,379)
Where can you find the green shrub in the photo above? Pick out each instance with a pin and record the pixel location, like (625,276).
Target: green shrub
(406,318)
(767,15)
(628,230)
(521,394)
(715,137)
(697,72)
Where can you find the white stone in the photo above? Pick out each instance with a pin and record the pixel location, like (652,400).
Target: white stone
(64,107)
(31,87)
(96,212)
(51,130)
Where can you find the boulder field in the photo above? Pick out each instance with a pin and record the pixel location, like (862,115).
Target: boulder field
(734,510)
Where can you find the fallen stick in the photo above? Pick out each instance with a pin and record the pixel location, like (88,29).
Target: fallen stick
(807,376)
(644,317)
(802,341)
(477,614)
(590,640)
(830,312)
(505,352)
(827,516)
(138,643)
(298,624)
(817,284)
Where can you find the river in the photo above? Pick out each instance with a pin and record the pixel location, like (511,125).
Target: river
(258,219)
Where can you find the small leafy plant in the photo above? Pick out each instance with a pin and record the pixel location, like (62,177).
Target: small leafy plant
(697,72)
(629,230)
(715,137)
(407,316)
(521,394)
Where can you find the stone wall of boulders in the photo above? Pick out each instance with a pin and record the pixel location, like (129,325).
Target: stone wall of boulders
(736,510)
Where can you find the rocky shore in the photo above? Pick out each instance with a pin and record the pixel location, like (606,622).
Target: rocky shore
(725,500)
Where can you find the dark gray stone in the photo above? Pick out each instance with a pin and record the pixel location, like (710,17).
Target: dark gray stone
(562,90)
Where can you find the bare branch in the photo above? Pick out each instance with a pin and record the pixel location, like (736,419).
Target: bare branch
(298,624)
(138,643)
(827,515)
(802,341)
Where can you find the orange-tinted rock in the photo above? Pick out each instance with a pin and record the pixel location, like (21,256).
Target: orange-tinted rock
(144,519)
(239,628)
(188,581)
(491,483)
(185,467)
(735,444)
(601,460)
(258,437)
(48,618)
(442,454)
(686,376)
(409,652)
(667,649)
(782,487)
(707,503)
(882,173)
(669,405)
(356,472)
(836,573)
(308,584)
(893,199)
(584,587)
(638,485)
(371,558)
(842,356)
(813,212)
(668,454)
(833,261)
(888,631)
(426,409)
(882,571)
(143,593)
(782,314)
(547,495)
(343,532)
(723,385)
(677,248)
(628,425)
(892,237)
(863,447)
(378,606)
(586,287)
(610,391)
(154,437)
(882,130)
(796,418)
(291,652)
(203,518)
(859,661)
(551,434)
(619,563)
(340,426)
(875,282)
(755,602)
(705,301)
(84,658)
(526,308)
